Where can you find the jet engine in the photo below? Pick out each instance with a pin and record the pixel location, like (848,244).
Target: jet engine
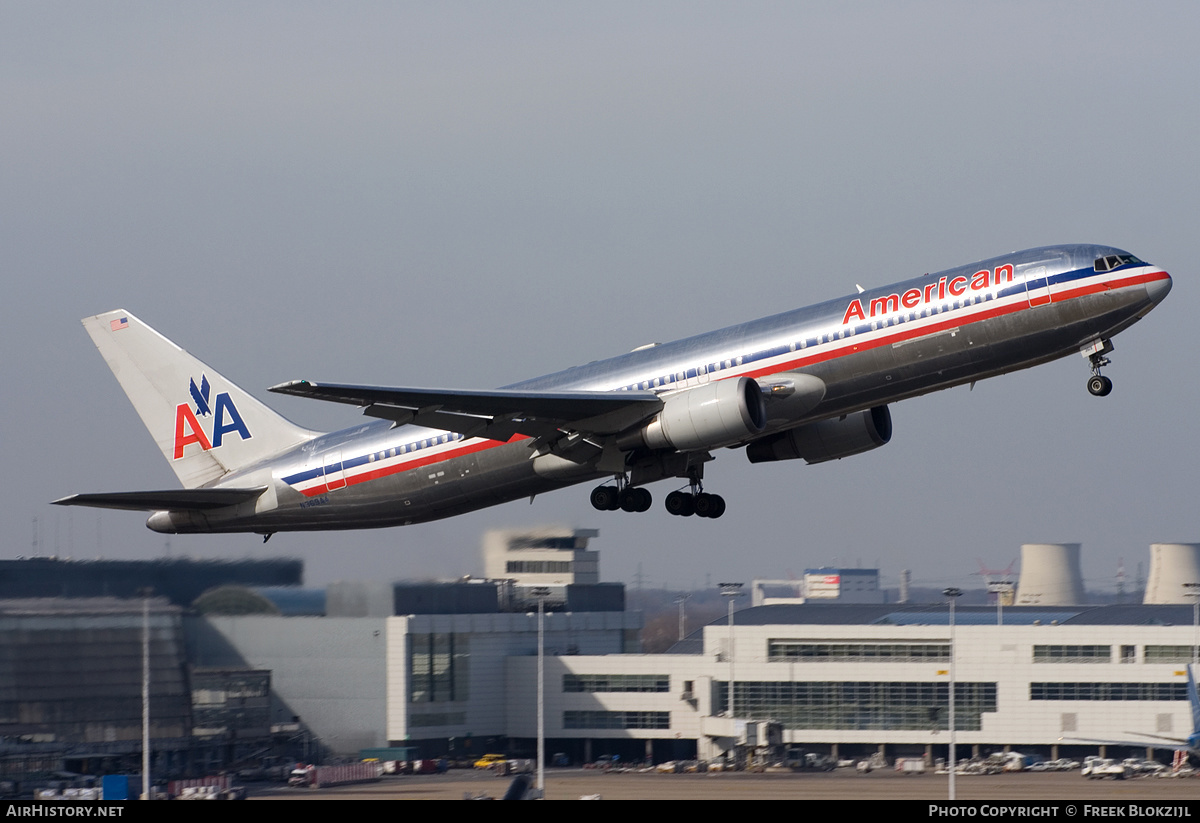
(707,417)
(830,439)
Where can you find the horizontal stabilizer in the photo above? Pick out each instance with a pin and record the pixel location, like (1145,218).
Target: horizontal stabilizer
(168,500)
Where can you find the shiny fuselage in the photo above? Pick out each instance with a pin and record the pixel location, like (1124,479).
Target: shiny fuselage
(869,349)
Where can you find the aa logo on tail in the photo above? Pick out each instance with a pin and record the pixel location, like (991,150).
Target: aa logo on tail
(225,419)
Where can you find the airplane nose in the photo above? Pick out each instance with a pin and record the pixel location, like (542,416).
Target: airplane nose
(1156,290)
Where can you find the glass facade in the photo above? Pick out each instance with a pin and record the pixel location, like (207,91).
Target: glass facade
(231,701)
(437,667)
(538,566)
(1108,691)
(437,719)
(1169,654)
(593,683)
(1072,654)
(616,720)
(859,705)
(866,651)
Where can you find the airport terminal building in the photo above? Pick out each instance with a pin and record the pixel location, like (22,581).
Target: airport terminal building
(864,676)
(452,669)
(839,678)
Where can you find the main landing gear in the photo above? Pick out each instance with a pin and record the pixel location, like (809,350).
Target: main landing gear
(626,498)
(695,501)
(1098,384)
(684,504)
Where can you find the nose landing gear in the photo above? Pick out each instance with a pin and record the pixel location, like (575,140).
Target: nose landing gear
(1098,384)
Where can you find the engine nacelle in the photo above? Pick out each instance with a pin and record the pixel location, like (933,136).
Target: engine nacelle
(827,439)
(707,417)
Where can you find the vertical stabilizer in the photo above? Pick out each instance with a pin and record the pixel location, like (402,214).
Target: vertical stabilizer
(205,426)
(1194,700)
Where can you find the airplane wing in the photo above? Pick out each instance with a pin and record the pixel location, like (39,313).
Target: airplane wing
(1142,739)
(1188,744)
(496,415)
(167,500)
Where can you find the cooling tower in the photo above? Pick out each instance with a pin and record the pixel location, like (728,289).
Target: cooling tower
(1050,575)
(1172,566)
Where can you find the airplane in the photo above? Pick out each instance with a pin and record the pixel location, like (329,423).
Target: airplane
(1188,745)
(811,384)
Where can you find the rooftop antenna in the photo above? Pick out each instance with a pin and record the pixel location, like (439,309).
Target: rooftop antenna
(999,582)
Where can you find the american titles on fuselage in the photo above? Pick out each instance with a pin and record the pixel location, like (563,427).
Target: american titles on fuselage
(944,288)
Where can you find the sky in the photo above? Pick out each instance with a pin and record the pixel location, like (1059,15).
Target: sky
(467,194)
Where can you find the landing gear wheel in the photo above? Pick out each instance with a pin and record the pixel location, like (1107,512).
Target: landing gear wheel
(605,498)
(681,504)
(628,500)
(644,499)
(1099,385)
(710,505)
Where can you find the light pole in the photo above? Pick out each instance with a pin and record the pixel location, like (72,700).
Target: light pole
(541,593)
(952,594)
(1002,589)
(146,794)
(730,591)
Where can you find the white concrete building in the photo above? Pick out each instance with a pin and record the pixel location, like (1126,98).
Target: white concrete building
(880,676)
(859,676)
(551,557)
(372,682)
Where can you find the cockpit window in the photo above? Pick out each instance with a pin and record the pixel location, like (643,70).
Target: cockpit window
(1116,261)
